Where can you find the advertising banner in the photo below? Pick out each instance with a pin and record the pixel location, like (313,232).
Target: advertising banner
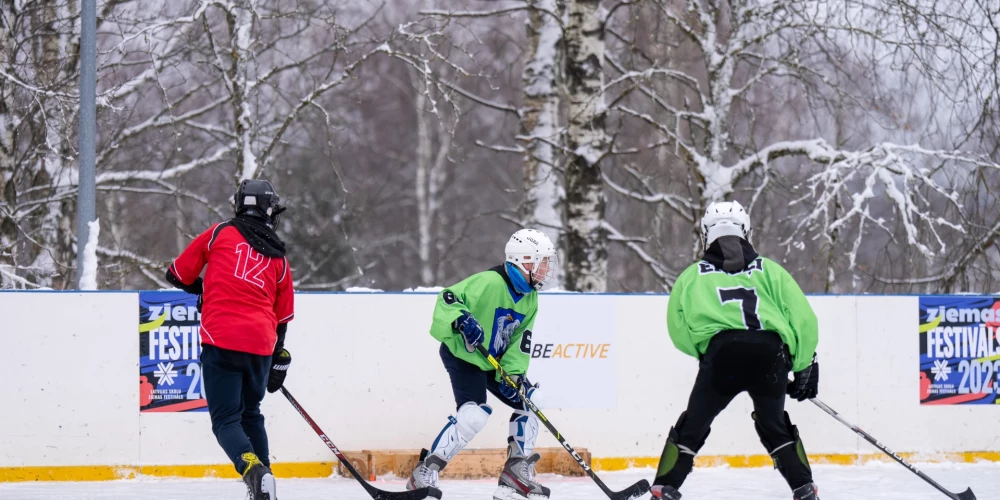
(573,351)
(169,349)
(959,353)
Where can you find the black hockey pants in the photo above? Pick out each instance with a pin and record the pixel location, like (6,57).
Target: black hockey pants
(738,360)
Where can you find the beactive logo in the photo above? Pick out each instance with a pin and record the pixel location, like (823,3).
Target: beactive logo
(571,351)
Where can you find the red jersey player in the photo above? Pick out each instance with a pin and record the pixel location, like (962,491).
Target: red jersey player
(246,298)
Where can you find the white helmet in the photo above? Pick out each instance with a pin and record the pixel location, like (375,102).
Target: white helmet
(725,218)
(531,246)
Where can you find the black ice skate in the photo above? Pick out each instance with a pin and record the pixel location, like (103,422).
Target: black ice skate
(517,480)
(664,492)
(806,492)
(258,478)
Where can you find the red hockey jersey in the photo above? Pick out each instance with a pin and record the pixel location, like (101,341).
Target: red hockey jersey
(246,293)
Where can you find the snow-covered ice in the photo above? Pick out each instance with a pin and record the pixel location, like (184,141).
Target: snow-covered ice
(869,482)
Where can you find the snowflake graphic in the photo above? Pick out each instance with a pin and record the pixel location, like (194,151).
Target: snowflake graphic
(941,370)
(165,374)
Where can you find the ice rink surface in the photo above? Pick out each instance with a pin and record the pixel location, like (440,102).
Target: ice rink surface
(869,482)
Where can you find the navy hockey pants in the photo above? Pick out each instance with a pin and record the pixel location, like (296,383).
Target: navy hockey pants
(235,384)
(470,383)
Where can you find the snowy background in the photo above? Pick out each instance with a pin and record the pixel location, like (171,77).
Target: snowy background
(410,137)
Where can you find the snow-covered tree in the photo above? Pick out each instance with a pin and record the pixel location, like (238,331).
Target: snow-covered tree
(541,133)
(746,99)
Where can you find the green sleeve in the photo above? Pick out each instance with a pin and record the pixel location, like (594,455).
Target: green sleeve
(802,319)
(515,359)
(677,326)
(450,304)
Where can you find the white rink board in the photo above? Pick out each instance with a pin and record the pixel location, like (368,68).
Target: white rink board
(366,369)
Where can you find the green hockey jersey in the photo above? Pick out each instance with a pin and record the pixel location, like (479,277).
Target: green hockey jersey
(506,317)
(706,300)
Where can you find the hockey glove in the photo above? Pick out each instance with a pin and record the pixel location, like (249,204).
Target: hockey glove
(806,383)
(280,361)
(201,301)
(513,394)
(510,392)
(470,330)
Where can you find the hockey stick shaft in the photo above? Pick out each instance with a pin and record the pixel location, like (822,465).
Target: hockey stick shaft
(635,490)
(966,495)
(375,493)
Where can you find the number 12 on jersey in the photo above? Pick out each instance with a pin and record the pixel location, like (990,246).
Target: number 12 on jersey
(747,298)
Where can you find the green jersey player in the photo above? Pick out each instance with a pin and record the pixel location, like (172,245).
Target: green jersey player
(748,323)
(496,309)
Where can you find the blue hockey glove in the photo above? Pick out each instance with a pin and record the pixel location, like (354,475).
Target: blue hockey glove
(470,330)
(513,394)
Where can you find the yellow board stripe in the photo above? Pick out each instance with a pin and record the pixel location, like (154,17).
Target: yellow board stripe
(326,469)
(111,472)
(622,463)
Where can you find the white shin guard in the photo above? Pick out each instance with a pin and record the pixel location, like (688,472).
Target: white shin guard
(467,422)
(523,433)
(524,426)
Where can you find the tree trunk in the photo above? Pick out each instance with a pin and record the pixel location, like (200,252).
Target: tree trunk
(431,176)
(57,67)
(586,239)
(8,116)
(241,20)
(540,125)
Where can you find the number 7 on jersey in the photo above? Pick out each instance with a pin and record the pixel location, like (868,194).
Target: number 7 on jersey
(747,298)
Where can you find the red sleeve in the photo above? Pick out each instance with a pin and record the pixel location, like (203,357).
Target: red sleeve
(284,306)
(188,266)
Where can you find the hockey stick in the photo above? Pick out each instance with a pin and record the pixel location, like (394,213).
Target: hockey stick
(965,495)
(377,494)
(634,491)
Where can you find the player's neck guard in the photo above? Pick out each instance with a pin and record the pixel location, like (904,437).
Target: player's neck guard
(730,253)
(517,280)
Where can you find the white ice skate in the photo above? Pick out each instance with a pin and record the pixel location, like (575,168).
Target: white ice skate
(517,480)
(425,474)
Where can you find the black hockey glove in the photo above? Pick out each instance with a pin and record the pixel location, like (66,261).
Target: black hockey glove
(470,330)
(280,361)
(195,288)
(201,302)
(806,383)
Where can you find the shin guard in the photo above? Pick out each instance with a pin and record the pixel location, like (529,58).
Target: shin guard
(789,456)
(677,459)
(460,429)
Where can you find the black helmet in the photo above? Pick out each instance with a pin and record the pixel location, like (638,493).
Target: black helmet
(258,198)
